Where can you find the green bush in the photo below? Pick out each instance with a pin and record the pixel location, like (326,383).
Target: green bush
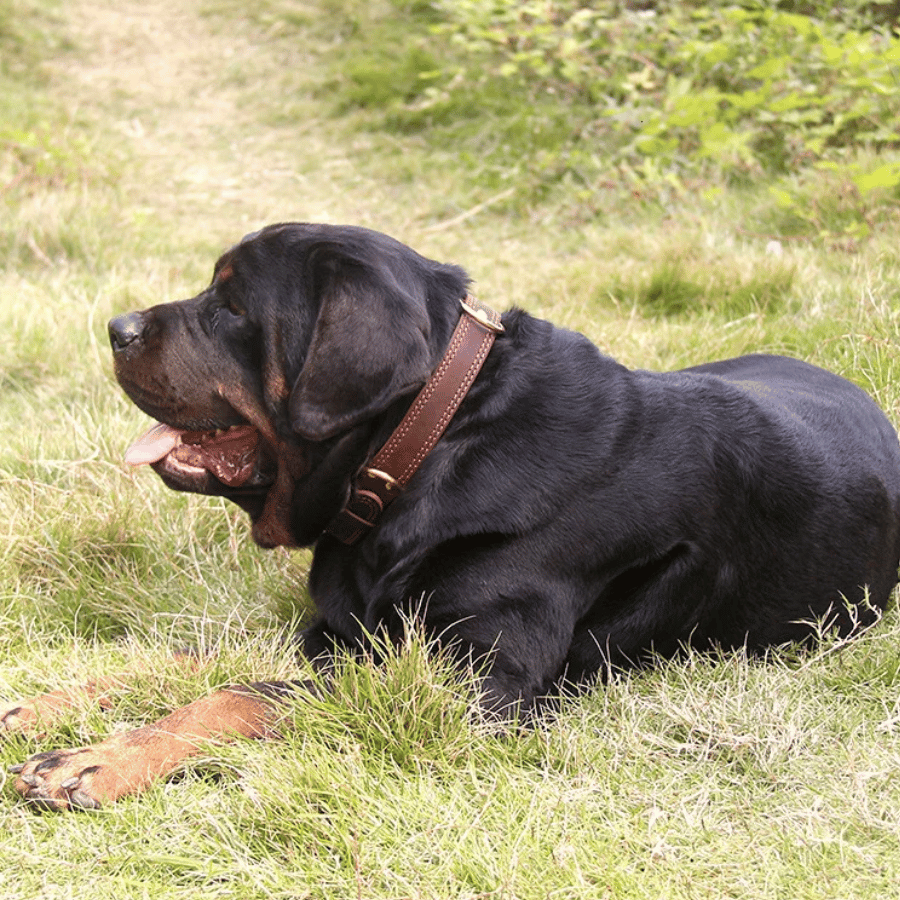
(679,95)
(744,89)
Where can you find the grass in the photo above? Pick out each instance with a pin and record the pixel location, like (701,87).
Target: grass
(137,142)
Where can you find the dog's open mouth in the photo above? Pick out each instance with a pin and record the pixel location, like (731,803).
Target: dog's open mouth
(230,454)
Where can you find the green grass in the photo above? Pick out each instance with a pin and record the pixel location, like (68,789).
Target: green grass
(136,143)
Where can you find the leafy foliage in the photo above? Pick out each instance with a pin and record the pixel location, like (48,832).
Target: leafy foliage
(679,96)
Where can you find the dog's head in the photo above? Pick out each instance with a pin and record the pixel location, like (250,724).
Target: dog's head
(267,383)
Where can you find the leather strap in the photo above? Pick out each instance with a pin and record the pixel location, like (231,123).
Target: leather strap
(426,420)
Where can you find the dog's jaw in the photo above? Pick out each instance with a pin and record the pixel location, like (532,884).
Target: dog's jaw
(227,462)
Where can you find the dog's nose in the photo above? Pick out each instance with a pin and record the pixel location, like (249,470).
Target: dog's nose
(125,330)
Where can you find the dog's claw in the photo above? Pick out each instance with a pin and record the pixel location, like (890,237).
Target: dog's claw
(81,800)
(77,798)
(36,793)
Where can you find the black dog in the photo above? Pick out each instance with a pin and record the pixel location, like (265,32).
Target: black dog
(574,515)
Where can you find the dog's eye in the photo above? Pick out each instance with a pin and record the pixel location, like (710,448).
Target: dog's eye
(235,307)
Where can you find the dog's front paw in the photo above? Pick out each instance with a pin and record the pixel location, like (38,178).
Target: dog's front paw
(89,777)
(19,718)
(69,779)
(35,716)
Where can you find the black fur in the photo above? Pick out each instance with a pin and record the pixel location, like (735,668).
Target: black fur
(575,515)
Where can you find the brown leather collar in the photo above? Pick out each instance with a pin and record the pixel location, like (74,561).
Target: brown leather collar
(422,426)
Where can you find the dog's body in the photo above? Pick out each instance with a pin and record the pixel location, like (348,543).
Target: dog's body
(607,513)
(575,515)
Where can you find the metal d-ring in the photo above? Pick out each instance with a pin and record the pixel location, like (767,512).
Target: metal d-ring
(482,318)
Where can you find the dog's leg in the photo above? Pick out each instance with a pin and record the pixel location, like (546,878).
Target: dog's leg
(128,763)
(33,717)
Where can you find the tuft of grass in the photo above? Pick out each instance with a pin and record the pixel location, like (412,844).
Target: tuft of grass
(678,286)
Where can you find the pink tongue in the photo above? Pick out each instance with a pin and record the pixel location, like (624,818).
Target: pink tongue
(152,446)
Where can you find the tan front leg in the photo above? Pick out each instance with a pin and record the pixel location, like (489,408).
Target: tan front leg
(127,763)
(33,717)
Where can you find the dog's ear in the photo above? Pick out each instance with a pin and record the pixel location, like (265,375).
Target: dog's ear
(369,344)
